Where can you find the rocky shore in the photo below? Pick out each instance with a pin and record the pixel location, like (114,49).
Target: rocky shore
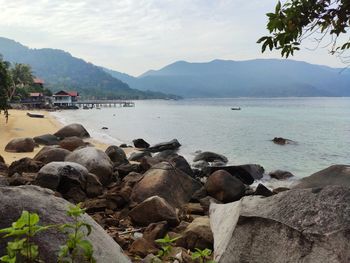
(133,200)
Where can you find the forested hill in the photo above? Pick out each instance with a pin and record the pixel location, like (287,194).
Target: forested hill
(61,70)
(252,78)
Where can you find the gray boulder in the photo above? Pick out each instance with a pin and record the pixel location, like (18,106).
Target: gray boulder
(52,210)
(51,154)
(46,139)
(116,154)
(19,145)
(171,145)
(71,130)
(281,175)
(95,160)
(300,225)
(333,175)
(72,143)
(210,157)
(163,180)
(140,143)
(137,156)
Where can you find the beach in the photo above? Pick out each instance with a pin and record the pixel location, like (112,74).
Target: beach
(21,125)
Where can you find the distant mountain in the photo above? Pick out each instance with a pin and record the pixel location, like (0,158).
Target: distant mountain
(253,78)
(61,70)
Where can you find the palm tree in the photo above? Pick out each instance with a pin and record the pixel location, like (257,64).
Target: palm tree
(21,77)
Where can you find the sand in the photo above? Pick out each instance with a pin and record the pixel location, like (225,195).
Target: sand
(21,125)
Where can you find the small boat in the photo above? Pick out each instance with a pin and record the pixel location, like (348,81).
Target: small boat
(35,115)
(236,108)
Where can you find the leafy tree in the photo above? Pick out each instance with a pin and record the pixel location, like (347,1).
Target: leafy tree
(296,20)
(22,78)
(4,86)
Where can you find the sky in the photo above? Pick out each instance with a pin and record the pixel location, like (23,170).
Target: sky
(134,36)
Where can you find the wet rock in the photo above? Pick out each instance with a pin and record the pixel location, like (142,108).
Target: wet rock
(263,190)
(116,154)
(197,235)
(20,145)
(210,157)
(96,161)
(171,145)
(25,165)
(154,209)
(281,175)
(333,175)
(224,187)
(72,130)
(50,154)
(200,164)
(282,141)
(72,143)
(137,156)
(162,177)
(299,225)
(52,211)
(140,143)
(46,139)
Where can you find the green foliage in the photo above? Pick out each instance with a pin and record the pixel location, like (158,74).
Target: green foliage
(23,231)
(166,245)
(297,20)
(4,87)
(203,256)
(76,246)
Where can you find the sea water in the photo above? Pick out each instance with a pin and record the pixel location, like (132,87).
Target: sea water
(320,126)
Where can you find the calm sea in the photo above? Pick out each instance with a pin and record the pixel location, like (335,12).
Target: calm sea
(320,126)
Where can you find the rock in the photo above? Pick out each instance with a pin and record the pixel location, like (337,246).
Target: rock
(263,190)
(25,165)
(72,130)
(162,177)
(137,156)
(333,175)
(197,235)
(93,186)
(280,189)
(155,231)
(20,145)
(63,176)
(224,187)
(2,160)
(132,178)
(166,155)
(246,173)
(180,163)
(193,209)
(199,194)
(282,141)
(4,181)
(46,139)
(154,209)
(116,154)
(104,128)
(95,160)
(71,143)
(210,157)
(4,170)
(200,164)
(300,225)
(142,247)
(140,143)
(281,175)
(171,145)
(50,154)
(124,169)
(52,211)
(95,205)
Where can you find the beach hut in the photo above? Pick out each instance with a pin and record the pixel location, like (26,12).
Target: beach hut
(65,98)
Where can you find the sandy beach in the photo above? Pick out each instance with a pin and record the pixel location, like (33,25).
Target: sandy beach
(20,125)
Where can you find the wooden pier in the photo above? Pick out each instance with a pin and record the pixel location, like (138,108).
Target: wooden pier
(90,104)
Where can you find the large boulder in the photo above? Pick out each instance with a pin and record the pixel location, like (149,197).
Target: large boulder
(46,139)
(137,156)
(140,143)
(281,175)
(167,182)
(116,154)
(20,145)
(333,175)
(51,154)
(247,173)
(300,225)
(95,160)
(72,143)
(71,130)
(224,187)
(210,157)
(2,160)
(171,145)
(152,210)
(52,211)
(25,165)
(181,163)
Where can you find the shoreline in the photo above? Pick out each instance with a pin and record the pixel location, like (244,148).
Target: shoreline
(21,125)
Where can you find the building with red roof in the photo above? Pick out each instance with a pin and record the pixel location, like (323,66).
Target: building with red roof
(65,98)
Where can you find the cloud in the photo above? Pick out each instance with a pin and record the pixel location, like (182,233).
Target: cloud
(136,35)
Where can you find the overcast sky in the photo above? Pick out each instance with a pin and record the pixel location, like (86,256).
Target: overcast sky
(133,36)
